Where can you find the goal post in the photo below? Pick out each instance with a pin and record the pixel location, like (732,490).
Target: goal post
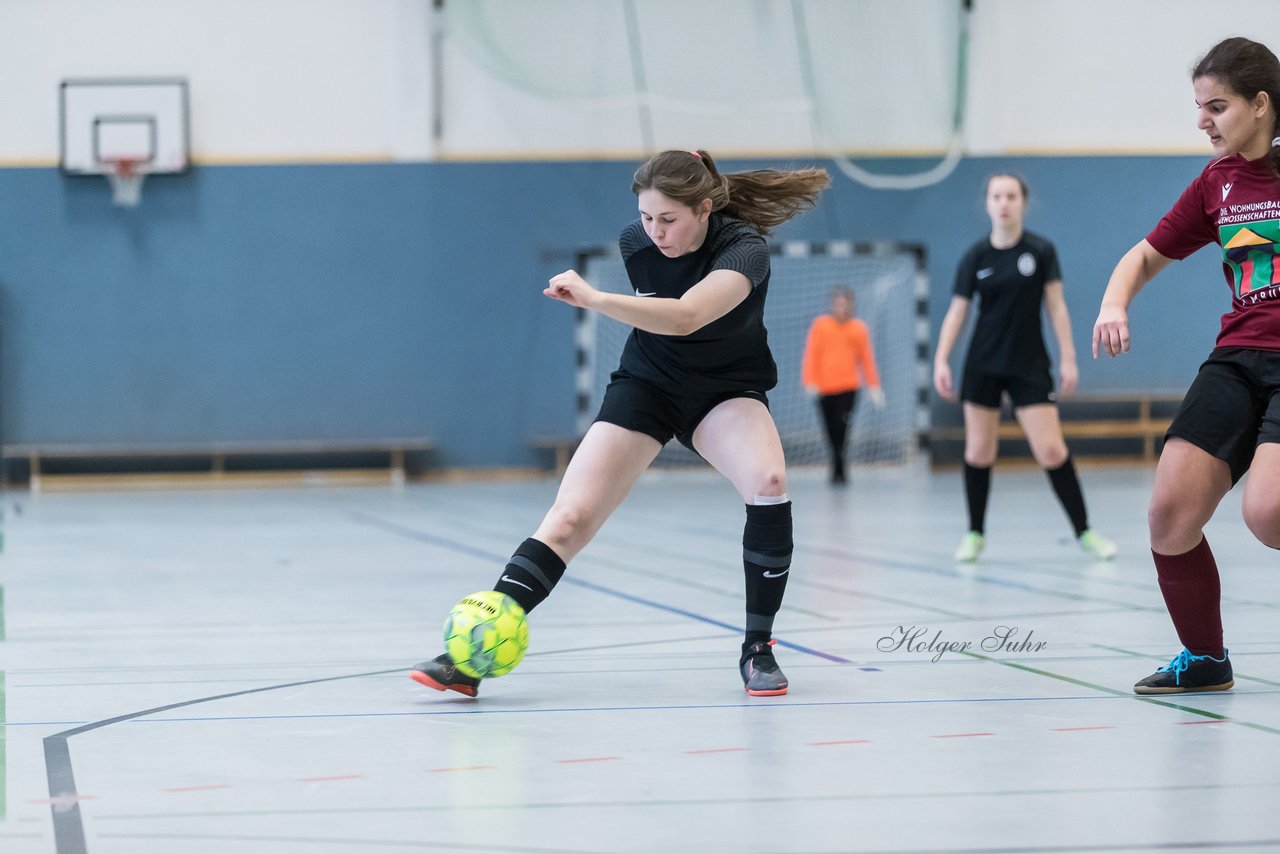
(891,291)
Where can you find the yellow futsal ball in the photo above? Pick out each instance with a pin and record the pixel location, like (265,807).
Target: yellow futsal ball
(486,634)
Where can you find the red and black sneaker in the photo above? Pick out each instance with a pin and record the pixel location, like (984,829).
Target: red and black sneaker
(761,675)
(441,674)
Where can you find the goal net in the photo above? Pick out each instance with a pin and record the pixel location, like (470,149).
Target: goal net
(891,293)
(614,76)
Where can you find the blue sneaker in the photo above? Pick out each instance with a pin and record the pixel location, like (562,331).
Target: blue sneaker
(1189,672)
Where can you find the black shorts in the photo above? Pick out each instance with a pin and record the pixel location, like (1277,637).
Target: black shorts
(645,408)
(1024,389)
(1232,407)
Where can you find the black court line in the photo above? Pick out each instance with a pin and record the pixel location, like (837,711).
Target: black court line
(68,825)
(68,828)
(65,807)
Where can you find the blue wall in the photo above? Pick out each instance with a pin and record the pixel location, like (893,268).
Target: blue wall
(358,301)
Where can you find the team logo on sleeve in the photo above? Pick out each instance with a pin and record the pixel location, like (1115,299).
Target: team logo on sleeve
(1027,264)
(1249,250)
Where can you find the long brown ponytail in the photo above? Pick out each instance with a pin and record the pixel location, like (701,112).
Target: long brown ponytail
(763,198)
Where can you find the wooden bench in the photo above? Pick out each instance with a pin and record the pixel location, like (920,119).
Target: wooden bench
(214,454)
(1130,416)
(562,448)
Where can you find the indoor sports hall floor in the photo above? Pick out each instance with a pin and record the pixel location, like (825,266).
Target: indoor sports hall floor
(224,671)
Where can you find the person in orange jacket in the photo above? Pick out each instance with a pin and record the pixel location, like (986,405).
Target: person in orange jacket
(838,361)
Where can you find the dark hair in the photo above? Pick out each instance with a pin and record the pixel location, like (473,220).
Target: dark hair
(762,198)
(842,291)
(1247,67)
(1022,185)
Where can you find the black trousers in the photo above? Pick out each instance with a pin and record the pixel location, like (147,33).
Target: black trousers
(837,413)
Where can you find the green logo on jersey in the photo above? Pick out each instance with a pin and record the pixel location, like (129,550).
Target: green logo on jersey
(1249,249)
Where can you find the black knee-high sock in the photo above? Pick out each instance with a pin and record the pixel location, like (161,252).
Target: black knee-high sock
(1067,486)
(766,561)
(530,574)
(977,486)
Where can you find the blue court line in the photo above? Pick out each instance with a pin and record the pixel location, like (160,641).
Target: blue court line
(1166,700)
(68,826)
(932,569)
(929,569)
(463,548)
(472,708)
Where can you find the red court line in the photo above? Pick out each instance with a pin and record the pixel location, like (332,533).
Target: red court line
(329,779)
(1080,728)
(585,759)
(65,800)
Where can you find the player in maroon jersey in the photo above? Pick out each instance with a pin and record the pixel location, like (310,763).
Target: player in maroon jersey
(1229,422)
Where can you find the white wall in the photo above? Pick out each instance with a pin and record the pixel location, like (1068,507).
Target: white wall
(270,80)
(1052,76)
(308,80)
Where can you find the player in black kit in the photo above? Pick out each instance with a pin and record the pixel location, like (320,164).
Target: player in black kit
(696,368)
(1015,274)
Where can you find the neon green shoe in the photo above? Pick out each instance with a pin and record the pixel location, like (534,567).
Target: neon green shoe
(970,547)
(1097,545)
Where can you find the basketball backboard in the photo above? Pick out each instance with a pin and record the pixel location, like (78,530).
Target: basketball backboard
(141,121)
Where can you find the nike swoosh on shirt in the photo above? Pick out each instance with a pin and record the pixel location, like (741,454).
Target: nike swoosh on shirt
(513,581)
(985,272)
(643,294)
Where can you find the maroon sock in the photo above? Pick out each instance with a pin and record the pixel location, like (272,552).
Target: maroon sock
(1192,592)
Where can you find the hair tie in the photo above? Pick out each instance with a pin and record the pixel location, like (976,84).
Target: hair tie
(1275,143)
(699,156)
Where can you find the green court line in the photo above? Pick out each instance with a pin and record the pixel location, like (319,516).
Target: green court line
(1137,654)
(4,768)
(1129,694)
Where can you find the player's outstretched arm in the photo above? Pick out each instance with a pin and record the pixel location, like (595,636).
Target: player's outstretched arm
(1138,266)
(709,300)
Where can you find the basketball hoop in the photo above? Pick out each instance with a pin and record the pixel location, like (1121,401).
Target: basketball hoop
(126,180)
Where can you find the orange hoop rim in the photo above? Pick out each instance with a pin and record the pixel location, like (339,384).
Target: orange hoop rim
(126,167)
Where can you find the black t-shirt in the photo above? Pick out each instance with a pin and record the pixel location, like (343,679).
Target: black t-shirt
(728,354)
(1008,338)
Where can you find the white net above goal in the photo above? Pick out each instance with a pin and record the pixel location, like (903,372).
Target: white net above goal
(891,291)
(614,75)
